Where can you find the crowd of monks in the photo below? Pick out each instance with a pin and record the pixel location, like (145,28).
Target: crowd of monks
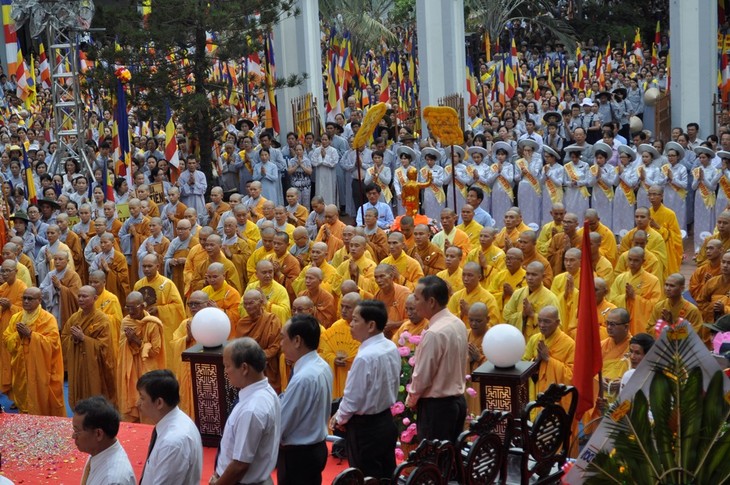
(104,317)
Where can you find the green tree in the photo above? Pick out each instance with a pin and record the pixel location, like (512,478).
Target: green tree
(366,20)
(169,60)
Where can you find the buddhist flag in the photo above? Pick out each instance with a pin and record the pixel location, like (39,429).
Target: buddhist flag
(22,89)
(588,357)
(638,48)
(11,37)
(171,154)
(510,77)
(270,67)
(45,69)
(122,121)
(29,182)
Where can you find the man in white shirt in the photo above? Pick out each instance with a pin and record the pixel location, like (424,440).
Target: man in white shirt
(370,389)
(175,454)
(95,427)
(250,442)
(305,405)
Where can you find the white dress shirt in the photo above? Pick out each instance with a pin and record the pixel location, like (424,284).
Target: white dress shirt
(252,432)
(177,457)
(111,467)
(306,403)
(372,383)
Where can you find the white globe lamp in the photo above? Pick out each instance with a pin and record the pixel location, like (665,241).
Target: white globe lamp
(211,327)
(503,345)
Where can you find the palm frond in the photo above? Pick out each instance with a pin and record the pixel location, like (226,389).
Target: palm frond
(661,397)
(715,413)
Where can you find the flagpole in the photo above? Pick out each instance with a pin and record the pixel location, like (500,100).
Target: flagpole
(359,180)
(453,175)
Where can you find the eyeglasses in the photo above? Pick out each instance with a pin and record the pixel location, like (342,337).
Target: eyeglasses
(615,324)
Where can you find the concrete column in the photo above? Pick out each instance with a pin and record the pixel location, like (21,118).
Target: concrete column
(441,49)
(297,51)
(693,24)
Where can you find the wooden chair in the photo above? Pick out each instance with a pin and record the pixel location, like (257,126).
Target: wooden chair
(431,460)
(350,476)
(544,443)
(482,451)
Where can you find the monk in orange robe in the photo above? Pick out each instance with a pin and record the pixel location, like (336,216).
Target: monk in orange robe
(235,248)
(60,288)
(177,252)
(141,349)
(222,294)
(73,241)
(707,270)
(513,226)
(264,328)
(23,258)
(286,266)
(424,251)
(412,326)
(318,253)
(324,304)
(36,359)
(408,269)
(393,295)
(675,306)
(114,264)
(87,351)
(478,326)
(331,231)
(562,241)
(11,294)
(377,239)
(714,300)
(133,233)
(113,224)
(527,242)
(216,207)
(108,303)
(213,244)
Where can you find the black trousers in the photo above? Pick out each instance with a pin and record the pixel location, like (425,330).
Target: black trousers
(301,464)
(441,418)
(370,442)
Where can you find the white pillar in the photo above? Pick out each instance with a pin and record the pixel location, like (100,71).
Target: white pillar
(693,24)
(441,50)
(297,51)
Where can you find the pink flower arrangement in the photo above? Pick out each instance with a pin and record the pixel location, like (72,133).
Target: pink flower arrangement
(406,421)
(412,361)
(399,455)
(409,433)
(404,351)
(415,339)
(471,391)
(397,408)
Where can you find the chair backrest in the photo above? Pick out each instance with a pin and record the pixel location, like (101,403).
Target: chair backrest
(482,450)
(350,476)
(547,438)
(439,454)
(425,474)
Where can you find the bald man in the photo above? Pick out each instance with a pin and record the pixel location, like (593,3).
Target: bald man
(156,244)
(636,290)
(512,278)
(708,269)
(9,253)
(473,292)
(247,229)
(177,252)
(318,255)
(331,231)
(392,295)
(664,220)
(324,304)
(652,264)
(655,241)
(23,258)
(487,254)
(608,240)
(195,258)
(265,252)
(254,201)
(377,239)
(60,288)
(216,207)
(265,328)
(141,349)
(212,247)
(561,242)
(276,297)
(478,319)
(525,304)
(722,233)
(565,287)
(286,266)
(513,226)
(114,264)
(226,297)
(34,344)
(109,304)
(73,241)
(602,267)
(551,228)
(602,304)
(409,270)
(470,226)
(427,253)
(414,325)
(450,235)
(552,349)
(191,215)
(674,306)
(614,349)
(527,241)
(172,212)
(88,352)
(133,233)
(453,272)
(11,294)
(44,261)
(113,224)
(297,214)
(714,300)
(338,346)
(302,246)
(357,268)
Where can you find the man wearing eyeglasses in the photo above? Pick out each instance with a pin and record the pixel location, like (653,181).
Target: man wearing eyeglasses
(34,344)
(614,349)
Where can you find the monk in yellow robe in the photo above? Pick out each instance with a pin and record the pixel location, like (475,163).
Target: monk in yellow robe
(246,229)
(527,243)
(478,325)
(133,233)
(714,300)
(452,275)
(603,306)
(614,349)
(414,325)
(222,294)
(409,270)
(674,306)
(216,207)
(141,349)
(9,252)
(36,359)
(664,220)
(357,268)
(236,249)
(450,235)
(553,349)
(265,328)
(652,265)
(525,304)
(473,292)
(507,281)
(602,267)
(256,201)
(636,290)
(343,253)
(174,261)
(565,288)
(286,266)
(108,303)
(22,258)
(276,298)
(265,252)
(87,350)
(470,227)
(608,240)
(707,270)
(213,246)
(195,258)
(114,265)
(655,241)
(331,231)
(60,288)
(392,295)
(297,213)
(722,233)
(338,346)
(11,301)
(513,226)
(323,303)
(167,304)
(488,255)
(428,254)
(317,254)
(551,229)
(563,241)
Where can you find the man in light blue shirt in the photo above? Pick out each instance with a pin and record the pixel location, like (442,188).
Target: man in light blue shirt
(385,213)
(475,198)
(305,405)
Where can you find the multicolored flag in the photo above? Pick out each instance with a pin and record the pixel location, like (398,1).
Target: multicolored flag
(11,37)
(171,154)
(270,70)
(45,68)
(29,182)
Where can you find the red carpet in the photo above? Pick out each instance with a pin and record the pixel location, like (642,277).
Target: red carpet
(40,450)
